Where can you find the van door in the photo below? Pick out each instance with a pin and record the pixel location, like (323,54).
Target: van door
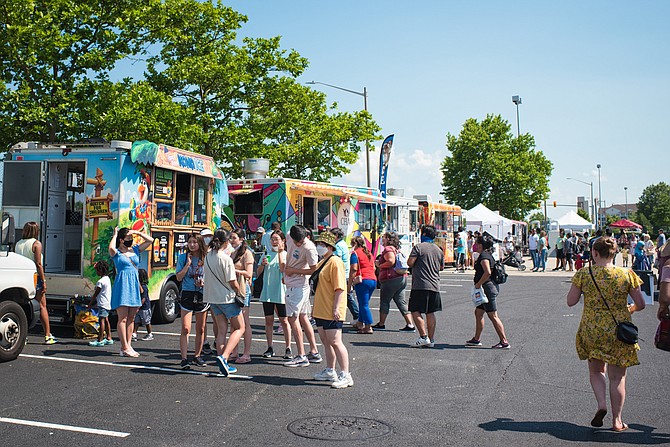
(54,245)
(23,192)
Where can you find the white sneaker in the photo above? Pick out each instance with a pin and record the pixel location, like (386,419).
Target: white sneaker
(327,375)
(423,343)
(344,380)
(148,337)
(297,362)
(133,337)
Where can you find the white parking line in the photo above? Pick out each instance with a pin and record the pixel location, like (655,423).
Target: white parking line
(175,334)
(133,366)
(94,431)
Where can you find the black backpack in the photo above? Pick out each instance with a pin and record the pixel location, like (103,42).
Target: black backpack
(498,274)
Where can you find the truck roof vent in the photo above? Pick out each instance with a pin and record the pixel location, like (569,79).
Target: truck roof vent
(253,168)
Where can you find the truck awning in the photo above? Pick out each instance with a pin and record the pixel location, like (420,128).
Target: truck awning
(175,159)
(339,191)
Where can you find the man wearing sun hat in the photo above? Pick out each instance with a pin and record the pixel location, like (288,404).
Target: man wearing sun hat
(330,308)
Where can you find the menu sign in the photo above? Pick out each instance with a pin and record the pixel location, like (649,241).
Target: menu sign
(180,244)
(159,253)
(164,183)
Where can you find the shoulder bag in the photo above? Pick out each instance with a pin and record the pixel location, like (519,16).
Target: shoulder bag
(626,331)
(314,277)
(239,299)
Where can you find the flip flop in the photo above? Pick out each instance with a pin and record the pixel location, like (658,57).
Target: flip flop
(620,429)
(598,418)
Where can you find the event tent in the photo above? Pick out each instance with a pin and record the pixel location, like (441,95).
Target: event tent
(575,222)
(625,224)
(480,218)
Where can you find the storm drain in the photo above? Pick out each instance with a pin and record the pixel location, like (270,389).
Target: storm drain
(339,428)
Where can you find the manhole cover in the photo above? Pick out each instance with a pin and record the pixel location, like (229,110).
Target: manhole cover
(339,428)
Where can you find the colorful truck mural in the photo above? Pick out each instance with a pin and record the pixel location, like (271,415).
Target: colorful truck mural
(78,193)
(445,218)
(259,202)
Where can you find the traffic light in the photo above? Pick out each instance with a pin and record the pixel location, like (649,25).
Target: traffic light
(539,205)
(554,204)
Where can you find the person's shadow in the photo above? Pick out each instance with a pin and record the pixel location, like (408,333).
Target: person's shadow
(567,431)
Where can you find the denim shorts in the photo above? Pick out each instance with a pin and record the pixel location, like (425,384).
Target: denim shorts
(143,317)
(102,313)
(227,310)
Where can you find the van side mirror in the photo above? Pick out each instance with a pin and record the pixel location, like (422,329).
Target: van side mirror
(8,234)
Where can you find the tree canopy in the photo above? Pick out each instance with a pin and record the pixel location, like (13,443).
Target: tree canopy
(583,214)
(203,89)
(488,164)
(653,207)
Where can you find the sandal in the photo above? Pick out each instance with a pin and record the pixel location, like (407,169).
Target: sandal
(243,359)
(620,429)
(598,418)
(379,326)
(361,331)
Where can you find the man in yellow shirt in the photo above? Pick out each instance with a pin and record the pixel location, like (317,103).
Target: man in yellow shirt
(330,307)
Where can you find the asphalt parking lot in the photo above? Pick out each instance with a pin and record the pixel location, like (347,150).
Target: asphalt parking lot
(536,393)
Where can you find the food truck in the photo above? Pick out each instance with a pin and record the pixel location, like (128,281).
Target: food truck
(257,202)
(446,219)
(78,193)
(402,217)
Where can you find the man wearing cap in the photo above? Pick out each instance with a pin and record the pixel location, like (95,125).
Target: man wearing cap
(301,260)
(207,236)
(256,244)
(330,307)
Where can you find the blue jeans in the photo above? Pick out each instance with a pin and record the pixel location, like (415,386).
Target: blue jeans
(543,259)
(533,256)
(352,304)
(364,291)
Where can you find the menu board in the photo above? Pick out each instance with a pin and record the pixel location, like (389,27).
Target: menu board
(164,183)
(180,244)
(159,252)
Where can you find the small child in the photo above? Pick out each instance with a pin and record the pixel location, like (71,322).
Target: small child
(624,256)
(143,316)
(102,297)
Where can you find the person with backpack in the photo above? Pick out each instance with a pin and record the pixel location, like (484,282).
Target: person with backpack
(393,280)
(484,279)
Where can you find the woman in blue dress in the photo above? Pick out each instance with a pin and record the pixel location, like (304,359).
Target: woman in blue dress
(126,289)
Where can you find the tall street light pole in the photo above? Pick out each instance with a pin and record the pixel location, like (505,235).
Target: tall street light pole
(625,190)
(516,99)
(593,210)
(600,198)
(364,94)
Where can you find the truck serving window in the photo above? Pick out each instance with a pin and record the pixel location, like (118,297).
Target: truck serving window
(251,203)
(183,196)
(200,199)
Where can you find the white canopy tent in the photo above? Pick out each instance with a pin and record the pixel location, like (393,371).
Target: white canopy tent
(480,218)
(575,222)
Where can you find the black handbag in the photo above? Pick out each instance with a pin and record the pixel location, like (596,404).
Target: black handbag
(626,331)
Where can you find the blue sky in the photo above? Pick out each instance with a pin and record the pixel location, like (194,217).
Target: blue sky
(593,76)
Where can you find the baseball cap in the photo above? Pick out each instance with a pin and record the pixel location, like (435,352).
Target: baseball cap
(260,230)
(206,232)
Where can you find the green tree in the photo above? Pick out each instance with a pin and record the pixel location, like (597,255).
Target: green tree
(244,99)
(537,215)
(488,164)
(47,47)
(654,206)
(583,214)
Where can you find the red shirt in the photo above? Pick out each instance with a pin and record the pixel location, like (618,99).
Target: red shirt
(366,266)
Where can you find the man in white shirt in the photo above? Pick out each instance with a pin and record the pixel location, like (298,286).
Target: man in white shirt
(533,239)
(301,260)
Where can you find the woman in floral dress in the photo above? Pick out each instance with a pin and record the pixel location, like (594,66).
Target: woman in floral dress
(596,336)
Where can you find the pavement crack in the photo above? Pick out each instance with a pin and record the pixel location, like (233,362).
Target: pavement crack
(509,365)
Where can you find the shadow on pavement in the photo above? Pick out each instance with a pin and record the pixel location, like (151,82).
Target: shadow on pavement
(567,431)
(385,344)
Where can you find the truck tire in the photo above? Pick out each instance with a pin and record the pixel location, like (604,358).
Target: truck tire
(168,305)
(13,330)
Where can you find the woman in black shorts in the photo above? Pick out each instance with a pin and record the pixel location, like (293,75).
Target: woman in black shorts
(273,295)
(483,280)
(189,271)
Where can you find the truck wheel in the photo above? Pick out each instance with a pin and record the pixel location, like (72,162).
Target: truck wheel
(13,330)
(167,305)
